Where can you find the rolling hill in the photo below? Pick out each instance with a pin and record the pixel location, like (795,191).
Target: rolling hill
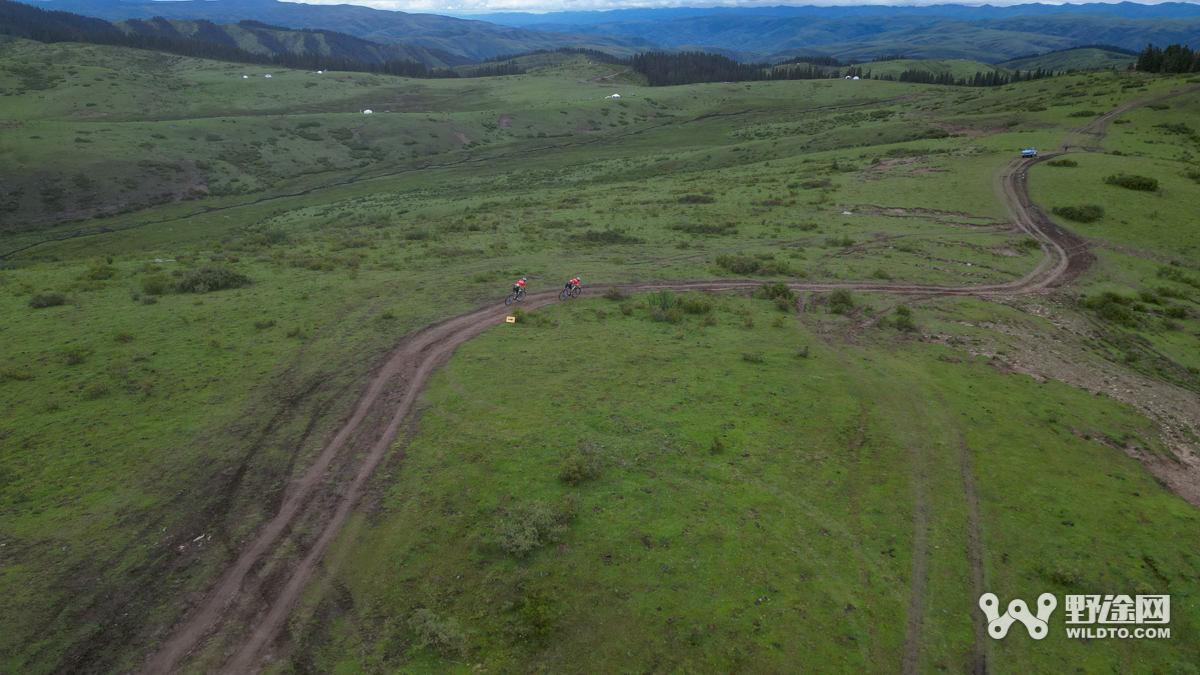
(1086,58)
(261,38)
(473,39)
(966,12)
(923,36)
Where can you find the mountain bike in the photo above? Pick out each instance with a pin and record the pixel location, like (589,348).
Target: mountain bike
(570,293)
(515,297)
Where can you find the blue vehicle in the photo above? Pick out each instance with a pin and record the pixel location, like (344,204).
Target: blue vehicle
(1029,152)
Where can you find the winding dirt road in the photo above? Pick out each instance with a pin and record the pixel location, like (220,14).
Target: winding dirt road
(388,400)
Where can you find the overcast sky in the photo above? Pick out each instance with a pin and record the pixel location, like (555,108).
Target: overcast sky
(475,6)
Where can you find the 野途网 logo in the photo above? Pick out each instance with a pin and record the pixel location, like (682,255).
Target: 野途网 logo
(998,623)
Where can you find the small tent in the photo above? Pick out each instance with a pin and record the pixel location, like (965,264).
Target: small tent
(368,112)
(267,75)
(856,77)
(245,77)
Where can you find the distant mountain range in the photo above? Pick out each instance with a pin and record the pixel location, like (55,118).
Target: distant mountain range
(261,38)
(772,34)
(474,39)
(1126,9)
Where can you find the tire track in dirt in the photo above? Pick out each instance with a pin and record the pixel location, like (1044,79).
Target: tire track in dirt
(420,354)
(974,555)
(910,660)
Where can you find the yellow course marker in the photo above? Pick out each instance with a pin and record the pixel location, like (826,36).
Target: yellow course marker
(510,319)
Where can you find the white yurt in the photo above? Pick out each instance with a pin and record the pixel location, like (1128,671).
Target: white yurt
(368,112)
(245,77)
(267,75)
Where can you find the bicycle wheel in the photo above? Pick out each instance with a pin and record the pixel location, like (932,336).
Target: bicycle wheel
(562,295)
(509,299)
(521,296)
(576,291)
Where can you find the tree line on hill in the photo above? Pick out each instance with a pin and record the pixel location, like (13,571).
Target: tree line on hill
(1173,59)
(48,26)
(663,69)
(981,79)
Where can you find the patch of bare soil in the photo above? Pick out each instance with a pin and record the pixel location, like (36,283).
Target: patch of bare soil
(506,121)
(462,138)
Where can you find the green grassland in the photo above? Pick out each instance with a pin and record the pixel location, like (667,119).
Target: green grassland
(789,548)
(958,68)
(139,417)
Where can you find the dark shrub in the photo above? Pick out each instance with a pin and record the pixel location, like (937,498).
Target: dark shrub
(444,637)
(212,278)
(615,293)
(1112,307)
(626,308)
(840,301)
(520,315)
(263,325)
(752,357)
(738,264)
(717,447)
(527,527)
(48,300)
(695,303)
(777,291)
(1131,182)
(608,237)
(802,353)
(579,467)
(695,199)
(1081,214)
(73,356)
(122,336)
(672,316)
(155,284)
(1063,163)
(1083,113)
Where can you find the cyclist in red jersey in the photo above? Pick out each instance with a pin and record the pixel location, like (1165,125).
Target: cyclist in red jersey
(519,286)
(572,284)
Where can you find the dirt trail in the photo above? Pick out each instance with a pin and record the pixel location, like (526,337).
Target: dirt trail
(389,399)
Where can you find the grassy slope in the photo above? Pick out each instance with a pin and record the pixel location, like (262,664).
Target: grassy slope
(407,243)
(1140,232)
(1075,59)
(949,40)
(959,68)
(790,549)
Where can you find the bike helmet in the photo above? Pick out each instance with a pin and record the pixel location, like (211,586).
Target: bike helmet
(524,278)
